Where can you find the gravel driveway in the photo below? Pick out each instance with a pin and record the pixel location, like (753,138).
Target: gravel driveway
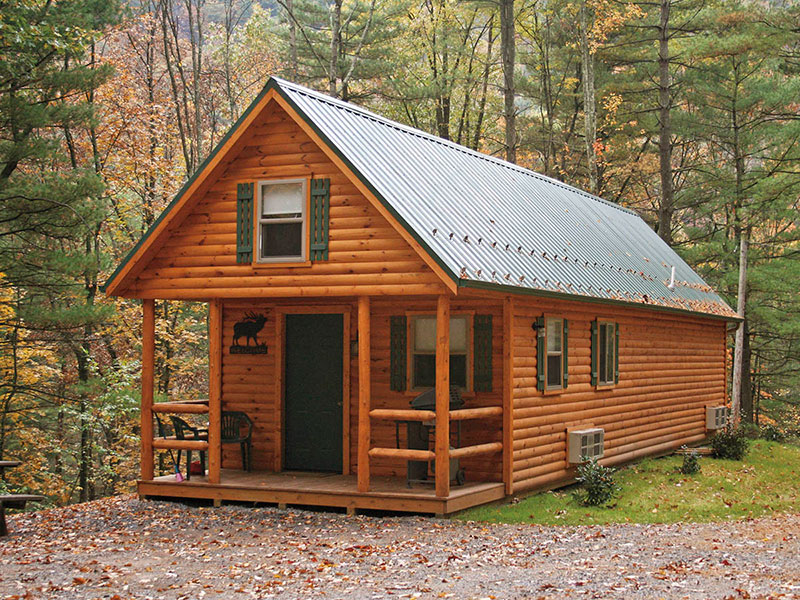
(122,548)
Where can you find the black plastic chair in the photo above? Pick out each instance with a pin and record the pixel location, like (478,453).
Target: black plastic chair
(165,433)
(233,422)
(184,431)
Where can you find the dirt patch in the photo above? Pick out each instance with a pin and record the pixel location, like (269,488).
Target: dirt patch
(121,548)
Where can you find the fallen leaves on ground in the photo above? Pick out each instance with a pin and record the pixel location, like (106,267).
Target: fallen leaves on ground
(122,548)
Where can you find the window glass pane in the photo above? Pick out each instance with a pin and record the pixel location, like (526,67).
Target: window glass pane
(281,239)
(554,335)
(458,334)
(425,334)
(458,370)
(601,347)
(282,199)
(610,353)
(424,371)
(554,371)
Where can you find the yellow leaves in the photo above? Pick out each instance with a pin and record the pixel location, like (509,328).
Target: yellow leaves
(608,19)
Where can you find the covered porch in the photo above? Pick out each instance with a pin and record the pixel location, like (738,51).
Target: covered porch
(356,486)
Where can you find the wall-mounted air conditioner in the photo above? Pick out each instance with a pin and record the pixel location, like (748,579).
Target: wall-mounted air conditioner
(717,417)
(584,443)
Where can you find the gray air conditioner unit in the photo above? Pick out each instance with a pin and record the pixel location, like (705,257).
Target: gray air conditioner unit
(717,417)
(586,443)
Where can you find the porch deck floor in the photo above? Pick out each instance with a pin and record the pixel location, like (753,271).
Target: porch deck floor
(324,489)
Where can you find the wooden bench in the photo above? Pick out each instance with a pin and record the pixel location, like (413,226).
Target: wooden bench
(14,501)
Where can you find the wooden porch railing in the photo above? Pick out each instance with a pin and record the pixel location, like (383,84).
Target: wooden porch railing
(461,414)
(185,408)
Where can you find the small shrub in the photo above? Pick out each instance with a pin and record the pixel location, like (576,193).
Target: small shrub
(729,443)
(772,433)
(598,482)
(691,461)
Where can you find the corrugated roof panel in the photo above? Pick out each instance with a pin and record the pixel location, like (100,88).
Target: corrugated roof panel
(490,221)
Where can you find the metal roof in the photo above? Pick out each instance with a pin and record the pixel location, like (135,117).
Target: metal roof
(492,224)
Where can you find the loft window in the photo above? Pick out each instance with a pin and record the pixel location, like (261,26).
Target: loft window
(282,221)
(606,334)
(554,334)
(423,363)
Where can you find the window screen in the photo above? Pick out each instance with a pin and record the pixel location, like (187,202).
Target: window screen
(423,363)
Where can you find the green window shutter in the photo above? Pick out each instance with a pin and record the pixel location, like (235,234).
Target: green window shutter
(320,215)
(397,340)
(541,354)
(616,353)
(566,352)
(244,222)
(594,353)
(482,353)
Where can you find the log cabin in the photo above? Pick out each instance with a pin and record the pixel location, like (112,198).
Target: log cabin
(411,325)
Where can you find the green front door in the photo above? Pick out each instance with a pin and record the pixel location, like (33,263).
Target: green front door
(313,393)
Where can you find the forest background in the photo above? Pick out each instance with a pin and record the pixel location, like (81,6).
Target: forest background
(687,111)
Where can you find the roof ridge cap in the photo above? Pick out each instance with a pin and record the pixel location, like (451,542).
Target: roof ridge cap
(364,112)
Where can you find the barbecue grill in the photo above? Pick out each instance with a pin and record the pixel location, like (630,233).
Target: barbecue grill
(422,436)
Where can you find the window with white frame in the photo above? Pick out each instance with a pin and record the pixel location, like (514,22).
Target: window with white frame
(423,348)
(606,348)
(554,334)
(282,221)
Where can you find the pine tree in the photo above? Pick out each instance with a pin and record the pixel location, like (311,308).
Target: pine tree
(51,195)
(741,108)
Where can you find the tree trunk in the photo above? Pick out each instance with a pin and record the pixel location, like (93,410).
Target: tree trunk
(508,44)
(229,25)
(589,110)
(477,135)
(292,40)
(667,206)
(8,396)
(548,103)
(738,356)
(747,379)
(333,68)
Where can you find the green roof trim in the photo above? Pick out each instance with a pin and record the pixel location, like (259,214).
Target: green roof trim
(512,289)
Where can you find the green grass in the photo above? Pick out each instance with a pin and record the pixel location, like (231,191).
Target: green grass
(654,491)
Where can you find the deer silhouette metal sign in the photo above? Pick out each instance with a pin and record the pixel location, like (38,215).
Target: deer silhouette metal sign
(248,328)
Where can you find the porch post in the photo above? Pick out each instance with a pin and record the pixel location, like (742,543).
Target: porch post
(443,396)
(214,390)
(364,400)
(148,371)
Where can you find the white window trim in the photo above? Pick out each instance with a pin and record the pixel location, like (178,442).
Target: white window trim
(303,256)
(412,348)
(611,334)
(547,386)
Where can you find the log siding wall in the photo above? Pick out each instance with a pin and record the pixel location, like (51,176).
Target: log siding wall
(366,254)
(671,367)
(248,385)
